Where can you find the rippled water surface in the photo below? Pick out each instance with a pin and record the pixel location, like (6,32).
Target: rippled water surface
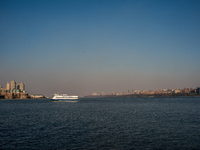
(101,123)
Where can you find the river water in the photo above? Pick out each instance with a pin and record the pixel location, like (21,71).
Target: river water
(101,123)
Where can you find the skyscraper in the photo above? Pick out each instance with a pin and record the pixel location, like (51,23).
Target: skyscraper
(18,86)
(7,86)
(13,85)
(22,86)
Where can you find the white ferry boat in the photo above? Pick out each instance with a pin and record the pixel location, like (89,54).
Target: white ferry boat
(64,97)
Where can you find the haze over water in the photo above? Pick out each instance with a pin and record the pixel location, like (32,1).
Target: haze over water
(79,47)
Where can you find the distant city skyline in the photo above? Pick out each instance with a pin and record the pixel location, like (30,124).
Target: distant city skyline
(13,90)
(78,47)
(13,85)
(152,92)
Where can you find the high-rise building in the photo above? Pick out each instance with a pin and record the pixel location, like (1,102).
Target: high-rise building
(13,85)
(22,86)
(7,86)
(18,86)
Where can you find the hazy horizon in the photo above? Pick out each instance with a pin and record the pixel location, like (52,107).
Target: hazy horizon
(83,46)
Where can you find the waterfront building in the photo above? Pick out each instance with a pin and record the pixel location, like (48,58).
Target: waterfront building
(37,96)
(22,87)
(1,89)
(150,92)
(8,86)
(13,91)
(185,90)
(177,91)
(198,90)
(13,85)
(18,86)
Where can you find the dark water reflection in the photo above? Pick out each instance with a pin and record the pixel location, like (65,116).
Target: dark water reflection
(109,123)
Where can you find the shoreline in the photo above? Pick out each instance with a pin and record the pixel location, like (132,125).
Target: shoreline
(22,98)
(144,95)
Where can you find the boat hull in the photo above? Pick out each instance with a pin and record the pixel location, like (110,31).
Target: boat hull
(64,100)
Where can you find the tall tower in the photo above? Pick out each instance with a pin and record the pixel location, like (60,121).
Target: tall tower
(7,86)
(18,86)
(13,85)
(22,86)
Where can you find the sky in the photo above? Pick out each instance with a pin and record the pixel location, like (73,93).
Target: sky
(82,46)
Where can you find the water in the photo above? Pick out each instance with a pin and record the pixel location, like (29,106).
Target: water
(101,123)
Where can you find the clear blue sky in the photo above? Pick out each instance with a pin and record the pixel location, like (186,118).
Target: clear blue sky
(84,46)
